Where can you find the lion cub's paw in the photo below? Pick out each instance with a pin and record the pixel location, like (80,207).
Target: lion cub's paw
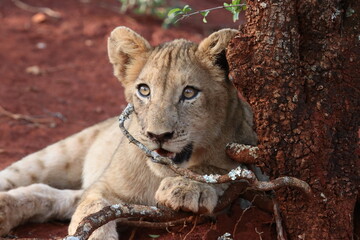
(188,195)
(7,213)
(107,232)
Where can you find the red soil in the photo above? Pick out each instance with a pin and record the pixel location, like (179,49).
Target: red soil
(71,84)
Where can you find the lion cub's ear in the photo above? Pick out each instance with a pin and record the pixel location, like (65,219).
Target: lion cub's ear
(213,47)
(127,52)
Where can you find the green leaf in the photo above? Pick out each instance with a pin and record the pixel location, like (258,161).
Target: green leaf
(204,13)
(227,8)
(154,236)
(174,11)
(186,9)
(230,8)
(235,16)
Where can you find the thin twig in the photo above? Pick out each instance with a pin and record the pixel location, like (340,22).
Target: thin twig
(132,235)
(242,214)
(192,229)
(45,10)
(278,221)
(259,233)
(165,224)
(186,15)
(262,201)
(238,173)
(17,116)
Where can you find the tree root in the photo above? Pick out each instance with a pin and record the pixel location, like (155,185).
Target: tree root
(242,153)
(278,221)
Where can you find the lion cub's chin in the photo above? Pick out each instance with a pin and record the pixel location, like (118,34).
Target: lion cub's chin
(181,159)
(165,153)
(160,170)
(177,157)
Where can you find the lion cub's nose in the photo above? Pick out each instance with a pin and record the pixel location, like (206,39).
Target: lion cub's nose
(163,137)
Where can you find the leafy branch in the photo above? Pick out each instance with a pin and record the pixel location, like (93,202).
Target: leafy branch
(157,8)
(177,14)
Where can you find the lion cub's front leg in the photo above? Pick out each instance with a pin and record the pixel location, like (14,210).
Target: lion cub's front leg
(180,193)
(91,203)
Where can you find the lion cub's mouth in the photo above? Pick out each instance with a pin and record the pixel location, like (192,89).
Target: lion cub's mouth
(177,158)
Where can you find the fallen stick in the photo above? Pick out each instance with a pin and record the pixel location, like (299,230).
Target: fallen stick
(90,223)
(45,10)
(17,116)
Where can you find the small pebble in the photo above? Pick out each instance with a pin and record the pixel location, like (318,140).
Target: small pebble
(41,45)
(39,18)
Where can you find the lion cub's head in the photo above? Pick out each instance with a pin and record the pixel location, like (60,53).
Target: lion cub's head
(183,99)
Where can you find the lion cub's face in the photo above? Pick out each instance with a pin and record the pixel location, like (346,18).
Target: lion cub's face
(178,89)
(172,98)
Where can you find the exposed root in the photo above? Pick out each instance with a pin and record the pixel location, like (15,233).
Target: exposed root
(165,224)
(192,229)
(242,153)
(242,214)
(278,221)
(260,233)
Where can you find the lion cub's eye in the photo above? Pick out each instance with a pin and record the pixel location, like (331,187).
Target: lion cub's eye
(189,93)
(144,90)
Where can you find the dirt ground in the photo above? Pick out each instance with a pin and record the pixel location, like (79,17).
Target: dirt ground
(57,72)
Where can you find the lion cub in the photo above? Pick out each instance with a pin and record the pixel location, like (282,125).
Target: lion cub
(185,108)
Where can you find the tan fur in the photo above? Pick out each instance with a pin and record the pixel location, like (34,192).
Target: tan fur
(101,160)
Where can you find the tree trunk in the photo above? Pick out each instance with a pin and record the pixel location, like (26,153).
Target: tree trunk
(298,65)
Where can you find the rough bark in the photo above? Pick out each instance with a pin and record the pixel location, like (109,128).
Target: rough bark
(298,65)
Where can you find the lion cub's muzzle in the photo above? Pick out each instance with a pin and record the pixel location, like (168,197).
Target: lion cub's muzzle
(177,158)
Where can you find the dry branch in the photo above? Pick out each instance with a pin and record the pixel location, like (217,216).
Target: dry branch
(166,224)
(90,223)
(278,221)
(166,217)
(34,120)
(186,15)
(160,217)
(45,10)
